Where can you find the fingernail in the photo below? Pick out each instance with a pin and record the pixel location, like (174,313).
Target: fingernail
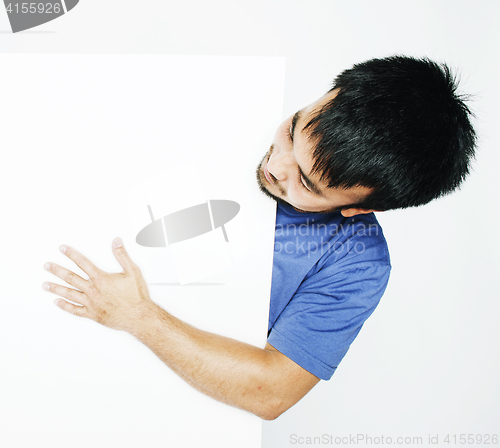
(46,266)
(118,242)
(62,249)
(46,286)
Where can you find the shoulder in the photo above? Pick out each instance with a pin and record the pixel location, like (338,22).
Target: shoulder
(355,242)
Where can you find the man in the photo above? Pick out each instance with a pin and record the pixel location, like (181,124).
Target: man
(392,133)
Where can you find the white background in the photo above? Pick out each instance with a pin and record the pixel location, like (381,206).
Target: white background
(427,361)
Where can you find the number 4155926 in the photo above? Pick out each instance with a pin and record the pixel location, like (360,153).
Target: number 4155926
(32,8)
(471,439)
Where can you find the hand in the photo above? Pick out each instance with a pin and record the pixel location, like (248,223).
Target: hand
(116,300)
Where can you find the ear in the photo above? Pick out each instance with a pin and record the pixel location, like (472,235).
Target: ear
(350,212)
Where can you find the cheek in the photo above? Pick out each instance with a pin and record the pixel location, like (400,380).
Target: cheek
(301,199)
(299,196)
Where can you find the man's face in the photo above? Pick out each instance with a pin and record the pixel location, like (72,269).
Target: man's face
(284,173)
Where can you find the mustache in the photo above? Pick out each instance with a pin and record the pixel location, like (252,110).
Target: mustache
(261,180)
(276,182)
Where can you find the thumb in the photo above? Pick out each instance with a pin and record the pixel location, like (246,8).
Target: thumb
(122,255)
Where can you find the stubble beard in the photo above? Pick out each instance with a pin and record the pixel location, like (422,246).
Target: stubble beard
(261,179)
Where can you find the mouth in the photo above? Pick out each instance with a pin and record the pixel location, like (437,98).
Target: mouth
(262,172)
(268,175)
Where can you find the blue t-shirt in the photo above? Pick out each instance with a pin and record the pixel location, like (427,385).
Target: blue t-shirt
(329,273)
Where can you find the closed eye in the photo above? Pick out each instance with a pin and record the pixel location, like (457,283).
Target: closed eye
(307,184)
(303,183)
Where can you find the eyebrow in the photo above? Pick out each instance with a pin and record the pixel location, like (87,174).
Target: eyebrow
(312,186)
(294,123)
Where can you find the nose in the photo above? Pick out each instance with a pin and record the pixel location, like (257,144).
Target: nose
(278,164)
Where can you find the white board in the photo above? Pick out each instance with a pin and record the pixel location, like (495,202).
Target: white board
(86,142)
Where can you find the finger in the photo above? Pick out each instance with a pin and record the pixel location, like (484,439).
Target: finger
(122,256)
(65,274)
(67,293)
(79,311)
(81,261)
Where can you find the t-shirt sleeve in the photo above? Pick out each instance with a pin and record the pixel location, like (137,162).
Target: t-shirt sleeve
(326,314)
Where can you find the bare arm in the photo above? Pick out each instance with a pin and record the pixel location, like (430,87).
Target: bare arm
(262,381)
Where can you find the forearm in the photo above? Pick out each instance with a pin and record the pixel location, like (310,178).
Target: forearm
(230,371)
(262,381)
